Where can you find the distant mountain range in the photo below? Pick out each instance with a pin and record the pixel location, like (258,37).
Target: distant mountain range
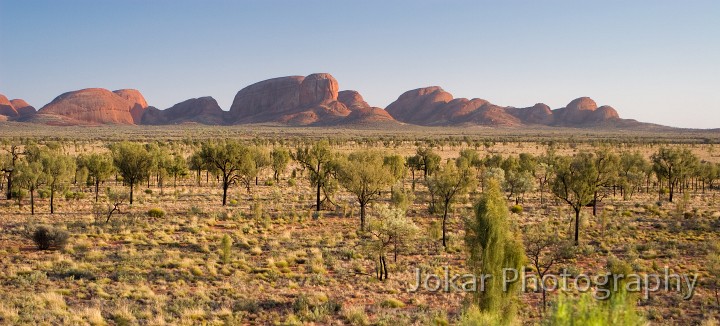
(314,100)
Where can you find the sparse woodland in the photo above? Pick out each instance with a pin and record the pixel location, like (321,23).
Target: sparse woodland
(264,228)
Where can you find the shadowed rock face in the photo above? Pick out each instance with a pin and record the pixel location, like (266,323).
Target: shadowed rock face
(6,108)
(23,108)
(203,110)
(137,101)
(368,115)
(92,106)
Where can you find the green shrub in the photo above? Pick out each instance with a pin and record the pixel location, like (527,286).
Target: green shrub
(47,237)
(156,212)
(586,310)
(226,247)
(517,209)
(148,191)
(392,303)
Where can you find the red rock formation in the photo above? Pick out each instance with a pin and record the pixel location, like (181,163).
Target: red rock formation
(492,115)
(539,114)
(294,100)
(203,110)
(352,99)
(6,108)
(318,88)
(137,100)
(368,115)
(602,114)
(92,106)
(432,106)
(419,106)
(23,108)
(263,101)
(584,112)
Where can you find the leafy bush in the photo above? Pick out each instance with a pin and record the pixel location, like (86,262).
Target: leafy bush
(156,212)
(148,191)
(517,209)
(47,237)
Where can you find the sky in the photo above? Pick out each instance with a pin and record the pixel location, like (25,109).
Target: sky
(655,61)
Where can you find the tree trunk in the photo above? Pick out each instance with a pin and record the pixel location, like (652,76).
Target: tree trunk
(595,196)
(577,226)
(131,192)
(225,188)
(52,200)
(9,185)
(32,201)
(385,267)
(362,216)
(317,197)
(444,225)
(97,186)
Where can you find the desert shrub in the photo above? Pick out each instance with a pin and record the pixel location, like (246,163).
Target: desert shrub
(76,195)
(586,310)
(43,193)
(517,209)
(225,248)
(148,191)
(47,237)
(356,316)
(156,212)
(401,198)
(315,307)
(392,303)
(473,316)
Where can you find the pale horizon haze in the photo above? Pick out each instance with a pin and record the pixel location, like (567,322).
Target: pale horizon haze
(654,61)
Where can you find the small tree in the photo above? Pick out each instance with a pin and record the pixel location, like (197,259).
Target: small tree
(493,247)
(364,175)
(673,165)
(7,166)
(133,162)
(280,161)
(318,160)
(391,232)
(100,167)
(574,183)
(633,167)
(428,161)
(545,249)
(606,172)
(396,165)
(58,170)
(227,158)
(261,159)
(447,185)
(30,176)
(177,168)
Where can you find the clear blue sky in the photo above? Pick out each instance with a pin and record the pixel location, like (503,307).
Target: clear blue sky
(655,61)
